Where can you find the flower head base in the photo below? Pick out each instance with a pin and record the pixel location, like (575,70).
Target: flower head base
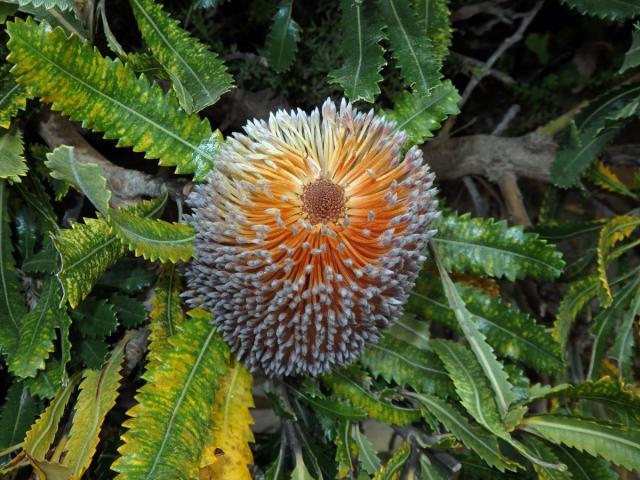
(310,234)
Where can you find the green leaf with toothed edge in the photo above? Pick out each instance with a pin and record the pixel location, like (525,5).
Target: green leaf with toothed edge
(282,41)
(18,412)
(12,307)
(344,385)
(12,162)
(166,433)
(615,443)
(95,318)
(88,250)
(367,455)
(580,293)
(609,10)
(393,468)
(544,450)
(131,313)
(106,96)
(87,178)
(622,349)
(584,466)
(48,4)
(13,97)
(200,72)
(632,57)
(419,65)
(486,247)
(363,55)
(472,436)
(420,114)
(511,332)
(395,360)
(38,332)
(412,331)
(434,19)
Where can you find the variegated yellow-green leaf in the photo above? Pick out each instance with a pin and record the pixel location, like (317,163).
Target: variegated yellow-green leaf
(377,408)
(604,177)
(42,433)
(419,114)
(106,96)
(393,468)
(12,306)
(13,97)
(615,443)
(577,297)
(614,231)
(88,250)
(87,178)
(168,427)
(37,332)
(405,364)
(363,55)
(231,423)
(98,393)
(154,239)
(434,20)
(166,312)
(199,71)
(12,162)
(484,246)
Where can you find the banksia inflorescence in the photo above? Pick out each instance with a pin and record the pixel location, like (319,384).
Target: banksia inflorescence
(310,234)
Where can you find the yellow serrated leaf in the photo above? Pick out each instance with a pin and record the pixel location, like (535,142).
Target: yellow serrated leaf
(227,454)
(613,232)
(605,178)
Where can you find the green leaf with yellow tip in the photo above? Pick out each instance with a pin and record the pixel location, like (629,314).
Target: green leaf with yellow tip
(154,239)
(198,71)
(359,74)
(484,246)
(395,360)
(13,97)
(107,96)
(12,162)
(88,250)
(37,332)
(615,443)
(87,178)
(392,470)
(231,423)
(168,428)
(98,394)
(420,114)
(343,385)
(12,307)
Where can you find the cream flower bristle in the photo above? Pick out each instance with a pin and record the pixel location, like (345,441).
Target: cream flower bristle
(311,231)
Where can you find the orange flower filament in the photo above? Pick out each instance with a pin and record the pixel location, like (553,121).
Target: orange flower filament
(310,234)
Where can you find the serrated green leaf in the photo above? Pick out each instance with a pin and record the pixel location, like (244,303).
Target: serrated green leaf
(13,97)
(98,393)
(282,41)
(511,332)
(420,114)
(609,10)
(559,232)
(37,199)
(632,57)
(380,409)
(92,351)
(604,322)
(45,384)
(471,385)
(484,246)
(106,96)
(580,293)
(166,310)
(412,331)
(418,62)
(48,4)
(614,443)
(129,275)
(95,318)
(154,239)
(493,370)
(473,437)
(330,406)
(130,311)
(166,433)
(395,360)
(12,307)
(363,55)
(87,178)
(583,466)
(88,250)
(198,70)
(393,468)
(18,412)
(27,230)
(12,162)
(367,455)
(434,20)
(545,451)
(622,349)
(37,332)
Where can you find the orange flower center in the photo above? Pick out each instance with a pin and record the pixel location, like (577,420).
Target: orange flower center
(323,201)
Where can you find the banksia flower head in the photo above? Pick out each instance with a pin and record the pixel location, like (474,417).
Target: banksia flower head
(310,234)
